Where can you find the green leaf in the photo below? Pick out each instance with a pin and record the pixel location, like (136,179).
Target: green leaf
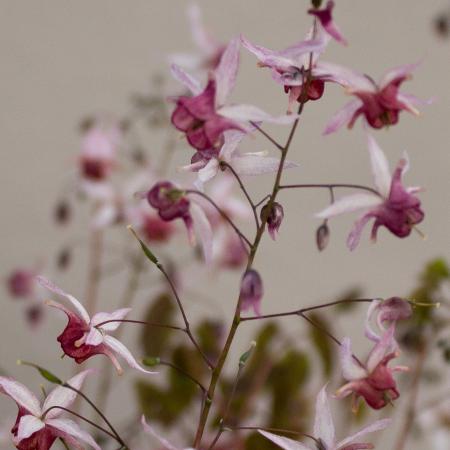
(44,372)
(322,343)
(210,336)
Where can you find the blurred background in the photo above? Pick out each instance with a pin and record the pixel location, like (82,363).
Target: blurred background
(63,61)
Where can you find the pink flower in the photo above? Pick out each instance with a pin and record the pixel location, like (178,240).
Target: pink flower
(373,380)
(251,291)
(38,426)
(203,117)
(394,206)
(274,218)
(84,336)
(324,432)
(326,20)
(379,103)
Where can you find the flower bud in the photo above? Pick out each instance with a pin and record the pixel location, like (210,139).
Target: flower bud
(251,291)
(274,216)
(168,200)
(322,236)
(394,309)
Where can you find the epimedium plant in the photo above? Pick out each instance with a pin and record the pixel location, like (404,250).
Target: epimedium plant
(151,205)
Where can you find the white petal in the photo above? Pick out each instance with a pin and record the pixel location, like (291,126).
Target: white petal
(257,165)
(204,41)
(232,139)
(27,426)
(149,430)
(62,396)
(380,167)
(226,71)
(349,203)
(383,346)
(71,429)
(186,79)
(209,171)
(342,117)
(101,317)
(105,216)
(203,230)
(77,305)
(323,422)
(344,76)
(94,337)
(117,347)
(398,72)
(368,331)
(284,442)
(351,370)
(376,426)
(21,395)
(250,113)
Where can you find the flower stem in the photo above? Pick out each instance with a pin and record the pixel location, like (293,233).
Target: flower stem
(267,136)
(330,186)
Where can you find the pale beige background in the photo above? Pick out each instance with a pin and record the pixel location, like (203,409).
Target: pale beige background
(63,59)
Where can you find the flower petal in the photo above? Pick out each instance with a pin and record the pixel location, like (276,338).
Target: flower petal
(204,41)
(28,425)
(101,317)
(186,79)
(117,347)
(376,426)
(203,230)
(250,113)
(342,117)
(77,305)
(355,233)
(63,396)
(69,429)
(232,139)
(105,216)
(149,430)
(349,203)
(351,370)
(209,171)
(284,442)
(323,422)
(398,73)
(226,71)
(368,331)
(21,395)
(248,164)
(380,167)
(383,346)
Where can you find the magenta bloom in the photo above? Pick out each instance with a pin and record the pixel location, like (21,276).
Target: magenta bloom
(85,337)
(324,432)
(373,381)
(251,292)
(38,426)
(325,18)
(379,103)
(274,219)
(395,207)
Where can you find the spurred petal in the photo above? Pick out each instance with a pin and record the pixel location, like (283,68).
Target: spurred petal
(257,165)
(232,139)
(250,113)
(94,337)
(68,428)
(117,347)
(209,171)
(200,35)
(380,350)
(368,331)
(355,233)
(284,442)
(186,79)
(203,230)
(351,370)
(376,426)
(350,203)
(28,425)
(101,317)
(226,71)
(77,305)
(398,73)
(62,396)
(21,395)
(323,422)
(343,117)
(380,167)
(149,430)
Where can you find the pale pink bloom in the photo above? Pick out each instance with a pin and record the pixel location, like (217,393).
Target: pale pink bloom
(39,425)
(373,380)
(84,336)
(324,432)
(379,103)
(325,17)
(394,206)
(208,164)
(204,116)
(164,442)
(274,218)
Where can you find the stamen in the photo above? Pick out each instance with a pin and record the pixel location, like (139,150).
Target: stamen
(420,232)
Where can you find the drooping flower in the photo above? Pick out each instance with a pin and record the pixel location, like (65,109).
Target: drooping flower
(324,433)
(84,336)
(208,164)
(373,380)
(325,17)
(322,236)
(252,291)
(38,426)
(394,206)
(275,217)
(204,116)
(379,103)
(172,203)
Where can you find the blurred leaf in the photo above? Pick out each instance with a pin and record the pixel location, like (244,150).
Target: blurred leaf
(210,337)
(154,402)
(155,340)
(322,343)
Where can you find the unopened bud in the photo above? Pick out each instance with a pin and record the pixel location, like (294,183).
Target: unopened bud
(151,361)
(62,212)
(275,215)
(251,291)
(322,236)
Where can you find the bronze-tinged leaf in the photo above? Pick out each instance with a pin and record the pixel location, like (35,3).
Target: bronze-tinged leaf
(322,343)
(155,340)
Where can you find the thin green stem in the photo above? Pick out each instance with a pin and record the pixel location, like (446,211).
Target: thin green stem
(267,136)
(330,186)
